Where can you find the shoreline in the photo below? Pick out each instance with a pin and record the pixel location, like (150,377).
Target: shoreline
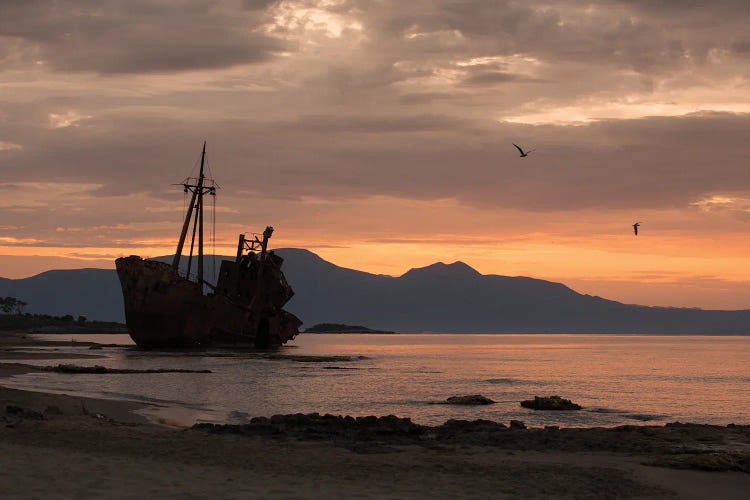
(18,345)
(102,445)
(92,447)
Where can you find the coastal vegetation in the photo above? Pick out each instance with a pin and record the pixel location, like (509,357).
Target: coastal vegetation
(14,319)
(10,305)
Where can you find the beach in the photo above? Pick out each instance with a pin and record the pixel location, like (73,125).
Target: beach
(55,445)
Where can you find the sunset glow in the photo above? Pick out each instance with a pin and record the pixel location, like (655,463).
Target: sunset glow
(379,136)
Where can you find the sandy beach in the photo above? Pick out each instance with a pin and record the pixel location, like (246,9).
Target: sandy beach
(62,446)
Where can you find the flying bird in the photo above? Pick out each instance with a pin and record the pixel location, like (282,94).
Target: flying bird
(524,154)
(635,228)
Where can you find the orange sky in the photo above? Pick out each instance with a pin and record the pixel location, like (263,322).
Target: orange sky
(378,135)
(677,268)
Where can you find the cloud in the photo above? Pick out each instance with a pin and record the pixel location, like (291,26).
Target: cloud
(67,119)
(139,36)
(10,146)
(645,163)
(491,78)
(378,109)
(322,124)
(563,31)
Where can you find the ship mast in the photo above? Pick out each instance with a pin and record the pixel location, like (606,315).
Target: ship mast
(198,187)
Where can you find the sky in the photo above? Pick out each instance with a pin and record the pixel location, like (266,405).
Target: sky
(379,135)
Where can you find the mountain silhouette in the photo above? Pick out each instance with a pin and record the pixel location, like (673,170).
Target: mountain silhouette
(436,298)
(94,293)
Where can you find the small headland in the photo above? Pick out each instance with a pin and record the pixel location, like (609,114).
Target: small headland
(341,328)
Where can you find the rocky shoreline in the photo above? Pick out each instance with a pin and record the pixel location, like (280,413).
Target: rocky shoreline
(674,445)
(685,445)
(81,447)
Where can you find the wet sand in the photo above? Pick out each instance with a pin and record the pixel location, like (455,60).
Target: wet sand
(62,446)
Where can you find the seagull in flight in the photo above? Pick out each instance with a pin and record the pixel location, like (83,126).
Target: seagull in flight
(524,154)
(635,228)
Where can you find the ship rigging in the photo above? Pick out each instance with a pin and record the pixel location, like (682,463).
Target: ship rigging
(198,187)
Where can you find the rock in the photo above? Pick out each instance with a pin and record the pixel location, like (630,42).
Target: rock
(454,426)
(23,412)
(13,410)
(315,426)
(474,399)
(52,410)
(68,368)
(550,403)
(517,424)
(714,461)
(98,369)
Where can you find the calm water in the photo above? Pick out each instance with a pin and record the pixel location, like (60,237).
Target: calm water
(619,379)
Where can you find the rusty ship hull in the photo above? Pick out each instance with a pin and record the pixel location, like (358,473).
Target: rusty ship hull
(163,309)
(245,307)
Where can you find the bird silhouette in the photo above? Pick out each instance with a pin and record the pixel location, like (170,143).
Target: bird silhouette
(524,154)
(635,228)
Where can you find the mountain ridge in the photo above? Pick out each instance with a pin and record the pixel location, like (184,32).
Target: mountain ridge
(436,298)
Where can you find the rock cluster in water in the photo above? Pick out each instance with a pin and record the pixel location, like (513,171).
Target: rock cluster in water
(98,369)
(550,403)
(474,399)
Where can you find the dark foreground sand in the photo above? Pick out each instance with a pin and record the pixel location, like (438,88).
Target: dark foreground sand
(64,447)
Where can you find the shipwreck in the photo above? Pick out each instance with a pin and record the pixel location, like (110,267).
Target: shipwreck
(167,306)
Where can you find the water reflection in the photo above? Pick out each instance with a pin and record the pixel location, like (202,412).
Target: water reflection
(619,379)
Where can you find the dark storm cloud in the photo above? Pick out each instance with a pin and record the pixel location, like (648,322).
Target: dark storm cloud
(137,36)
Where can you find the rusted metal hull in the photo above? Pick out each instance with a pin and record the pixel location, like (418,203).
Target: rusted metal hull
(163,309)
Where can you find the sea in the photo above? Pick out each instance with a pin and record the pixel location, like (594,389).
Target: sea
(618,379)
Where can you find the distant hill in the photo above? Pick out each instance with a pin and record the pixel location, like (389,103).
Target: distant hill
(437,298)
(339,328)
(94,293)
